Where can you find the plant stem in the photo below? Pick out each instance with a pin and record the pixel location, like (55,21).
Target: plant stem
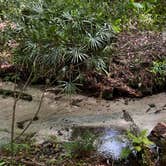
(16,99)
(35,115)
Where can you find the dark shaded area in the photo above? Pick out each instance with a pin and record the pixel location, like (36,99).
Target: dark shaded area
(10,93)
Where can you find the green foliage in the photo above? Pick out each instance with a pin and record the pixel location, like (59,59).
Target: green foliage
(82,147)
(68,88)
(2,163)
(140,141)
(11,77)
(57,38)
(139,147)
(125,153)
(16,147)
(159,12)
(61,40)
(143,15)
(159,69)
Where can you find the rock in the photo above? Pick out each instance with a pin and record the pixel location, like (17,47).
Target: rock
(126,116)
(158,136)
(152,105)
(158,111)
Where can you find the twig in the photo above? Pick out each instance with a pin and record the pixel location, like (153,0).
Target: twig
(12,127)
(31,163)
(35,115)
(16,99)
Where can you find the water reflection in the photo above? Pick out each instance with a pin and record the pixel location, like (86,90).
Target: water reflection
(111,144)
(109,141)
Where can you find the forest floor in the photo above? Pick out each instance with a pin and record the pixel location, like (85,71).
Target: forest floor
(60,113)
(136,67)
(130,74)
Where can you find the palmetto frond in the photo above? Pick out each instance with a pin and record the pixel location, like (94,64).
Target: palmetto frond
(55,56)
(95,43)
(68,87)
(77,55)
(67,16)
(35,6)
(98,64)
(31,49)
(102,38)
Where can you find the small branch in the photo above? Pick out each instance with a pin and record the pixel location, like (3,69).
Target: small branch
(16,99)
(35,115)
(12,127)
(31,163)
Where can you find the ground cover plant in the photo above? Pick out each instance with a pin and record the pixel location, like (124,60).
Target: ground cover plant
(58,39)
(62,41)
(108,48)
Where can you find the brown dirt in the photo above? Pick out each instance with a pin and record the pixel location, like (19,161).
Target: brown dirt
(130,66)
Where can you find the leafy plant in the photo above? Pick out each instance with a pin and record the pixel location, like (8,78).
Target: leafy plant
(16,148)
(142,15)
(68,88)
(159,69)
(56,39)
(139,142)
(81,147)
(11,77)
(2,163)
(139,145)
(62,40)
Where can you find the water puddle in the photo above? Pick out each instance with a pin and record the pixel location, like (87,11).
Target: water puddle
(109,142)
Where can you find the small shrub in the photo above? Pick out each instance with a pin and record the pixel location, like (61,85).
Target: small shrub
(139,146)
(58,39)
(81,147)
(159,69)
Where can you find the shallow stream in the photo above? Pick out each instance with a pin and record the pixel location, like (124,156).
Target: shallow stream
(57,113)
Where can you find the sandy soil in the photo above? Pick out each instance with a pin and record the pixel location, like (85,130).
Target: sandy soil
(58,112)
